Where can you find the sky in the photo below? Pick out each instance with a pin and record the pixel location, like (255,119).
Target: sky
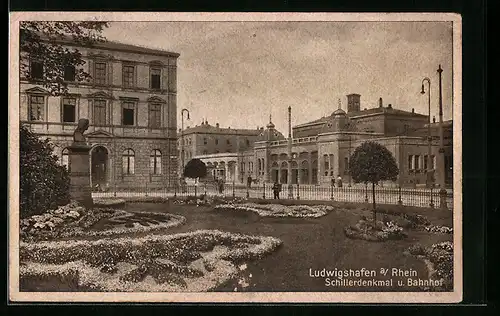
(238,73)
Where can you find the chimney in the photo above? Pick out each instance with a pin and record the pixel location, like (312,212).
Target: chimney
(380,104)
(389,106)
(433,119)
(353,102)
(217,125)
(412,110)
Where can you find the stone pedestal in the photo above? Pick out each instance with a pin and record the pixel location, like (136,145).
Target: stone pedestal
(79,173)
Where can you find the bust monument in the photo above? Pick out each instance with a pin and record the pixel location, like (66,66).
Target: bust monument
(83,125)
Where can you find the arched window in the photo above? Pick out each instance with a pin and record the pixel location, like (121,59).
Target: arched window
(65,158)
(155,161)
(128,161)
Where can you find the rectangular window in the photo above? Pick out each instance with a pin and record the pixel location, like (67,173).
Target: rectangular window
(216,141)
(433,162)
(205,141)
(69,110)
(155,115)
(128,113)
(36,70)
(155,78)
(426,161)
(100,73)
(346,164)
(417,162)
(128,76)
(69,73)
(100,112)
(37,104)
(155,162)
(410,162)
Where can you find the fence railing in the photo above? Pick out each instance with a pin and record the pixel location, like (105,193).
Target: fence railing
(360,194)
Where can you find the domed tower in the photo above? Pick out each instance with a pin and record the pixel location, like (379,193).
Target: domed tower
(270,133)
(337,122)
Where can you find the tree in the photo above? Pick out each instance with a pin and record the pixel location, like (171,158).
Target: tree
(195,168)
(44,184)
(43,41)
(371,163)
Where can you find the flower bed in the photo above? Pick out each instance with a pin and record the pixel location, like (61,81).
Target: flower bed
(207,200)
(73,220)
(440,257)
(439,229)
(192,262)
(109,202)
(375,231)
(278,210)
(123,222)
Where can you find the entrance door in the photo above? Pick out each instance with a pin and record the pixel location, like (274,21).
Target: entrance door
(275,174)
(284,176)
(99,163)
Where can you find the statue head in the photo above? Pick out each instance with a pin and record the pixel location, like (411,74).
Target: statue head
(83,125)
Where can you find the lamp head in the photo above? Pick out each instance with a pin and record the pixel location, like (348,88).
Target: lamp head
(188,116)
(423,90)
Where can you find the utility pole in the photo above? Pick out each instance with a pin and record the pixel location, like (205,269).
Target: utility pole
(182,139)
(289,180)
(442,190)
(429,136)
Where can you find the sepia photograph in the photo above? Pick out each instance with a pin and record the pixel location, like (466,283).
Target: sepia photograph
(232,157)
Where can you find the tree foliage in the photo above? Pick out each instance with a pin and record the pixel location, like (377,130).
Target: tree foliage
(372,163)
(43,41)
(195,168)
(44,184)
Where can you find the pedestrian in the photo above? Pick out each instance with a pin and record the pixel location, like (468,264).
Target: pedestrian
(249,181)
(221,186)
(333,182)
(276,190)
(339,181)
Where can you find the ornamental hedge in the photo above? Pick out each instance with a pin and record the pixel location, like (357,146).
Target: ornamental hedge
(44,183)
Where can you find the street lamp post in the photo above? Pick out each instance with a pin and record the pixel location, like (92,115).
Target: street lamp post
(349,161)
(182,139)
(429,136)
(441,182)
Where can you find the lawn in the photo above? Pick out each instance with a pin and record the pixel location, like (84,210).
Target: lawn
(306,244)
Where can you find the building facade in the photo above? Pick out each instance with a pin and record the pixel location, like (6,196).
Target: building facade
(130,101)
(318,151)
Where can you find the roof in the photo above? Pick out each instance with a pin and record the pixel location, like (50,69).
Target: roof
(377,110)
(122,47)
(339,112)
(111,45)
(270,134)
(210,129)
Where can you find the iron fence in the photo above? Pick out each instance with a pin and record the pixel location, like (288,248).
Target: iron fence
(417,197)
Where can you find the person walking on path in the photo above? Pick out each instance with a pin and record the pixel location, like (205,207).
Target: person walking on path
(276,190)
(339,181)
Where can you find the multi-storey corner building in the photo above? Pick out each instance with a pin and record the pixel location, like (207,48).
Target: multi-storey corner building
(317,151)
(131,104)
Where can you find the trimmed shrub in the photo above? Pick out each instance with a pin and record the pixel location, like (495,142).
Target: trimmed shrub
(44,184)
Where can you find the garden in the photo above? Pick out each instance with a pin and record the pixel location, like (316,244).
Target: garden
(200,244)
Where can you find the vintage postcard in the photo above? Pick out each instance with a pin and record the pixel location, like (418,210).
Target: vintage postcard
(235,157)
